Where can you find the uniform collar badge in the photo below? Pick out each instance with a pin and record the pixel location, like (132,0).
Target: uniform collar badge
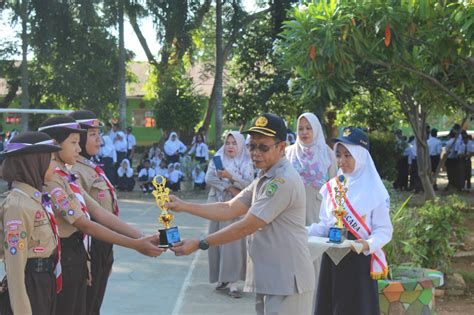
(347,132)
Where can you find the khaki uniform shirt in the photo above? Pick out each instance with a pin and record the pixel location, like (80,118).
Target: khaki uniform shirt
(25,233)
(280,262)
(66,206)
(93,184)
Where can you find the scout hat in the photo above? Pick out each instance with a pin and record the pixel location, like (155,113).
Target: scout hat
(60,125)
(30,142)
(86,118)
(269,125)
(353,135)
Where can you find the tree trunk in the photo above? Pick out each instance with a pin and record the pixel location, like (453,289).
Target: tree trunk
(416,116)
(121,68)
(25,96)
(219,73)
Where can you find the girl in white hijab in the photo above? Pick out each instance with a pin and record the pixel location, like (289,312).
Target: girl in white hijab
(227,263)
(125,176)
(174,148)
(367,221)
(314,161)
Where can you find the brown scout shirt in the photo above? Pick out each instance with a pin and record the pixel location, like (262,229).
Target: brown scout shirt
(26,233)
(65,204)
(93,184)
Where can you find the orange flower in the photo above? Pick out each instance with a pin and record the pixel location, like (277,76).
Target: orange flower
(388,35)
(312,52)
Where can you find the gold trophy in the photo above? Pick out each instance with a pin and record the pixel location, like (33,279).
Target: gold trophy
(169,235)
(338,233)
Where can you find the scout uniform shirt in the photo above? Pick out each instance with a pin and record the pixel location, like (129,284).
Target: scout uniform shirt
(93,184)
(27,233)
(280,261)
(66,206)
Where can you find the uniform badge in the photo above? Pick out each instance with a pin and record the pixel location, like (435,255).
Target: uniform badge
(60,198)
(39,214)
(63,213)
(271,189)
(13,250)
(23,234)
(13,222)
(36,194)
(70,212)
(21,245)
(39,249)
(347,132)
(261,122)
(101,194)
(364,217)
(13,238)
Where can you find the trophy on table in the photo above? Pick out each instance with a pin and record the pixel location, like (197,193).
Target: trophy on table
(169,235)
(338,233)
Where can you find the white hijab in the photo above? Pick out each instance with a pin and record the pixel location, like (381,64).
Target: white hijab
(121,170)
(240,165)
(312,161)
(365,189)
(172,146)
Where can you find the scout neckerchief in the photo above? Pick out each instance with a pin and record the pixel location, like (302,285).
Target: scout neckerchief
(112,192)
(46,202)
(71,179)
(357,226)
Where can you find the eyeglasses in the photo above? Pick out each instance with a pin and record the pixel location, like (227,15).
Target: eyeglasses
(261,147)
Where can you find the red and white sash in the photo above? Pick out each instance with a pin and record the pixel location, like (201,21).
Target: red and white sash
(77,192)
(112,192)
(46,202)
(354,224)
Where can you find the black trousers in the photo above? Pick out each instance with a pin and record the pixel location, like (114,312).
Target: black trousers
(453,167)
(109,169)
(72,298)
(172,158)
(434,162)
(347,288)
(41,290)
(402,176)
(415,181)
(466,173)
(102,258)
(125,183)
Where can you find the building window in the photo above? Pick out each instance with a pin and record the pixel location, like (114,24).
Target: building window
(143,118)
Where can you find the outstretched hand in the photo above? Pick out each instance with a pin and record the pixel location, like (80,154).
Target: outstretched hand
(149,246)
(185,247)
(175,204)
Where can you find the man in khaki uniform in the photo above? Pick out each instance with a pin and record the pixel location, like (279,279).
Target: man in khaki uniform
(279,269)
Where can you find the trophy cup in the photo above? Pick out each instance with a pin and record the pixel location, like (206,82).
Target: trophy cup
(338,233)
(169,235)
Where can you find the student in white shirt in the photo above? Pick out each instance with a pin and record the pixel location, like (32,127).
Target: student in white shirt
(465,151)
(125,176)
(145,177)
(173,178)
(435,147)
(162,168)
(174,148)
(350,287)
(131,144)
(108,157)
(200,150)
(199,178)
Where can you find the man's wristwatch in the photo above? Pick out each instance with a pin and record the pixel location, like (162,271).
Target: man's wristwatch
(203,244)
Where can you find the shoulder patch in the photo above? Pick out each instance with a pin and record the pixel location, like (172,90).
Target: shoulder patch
(271,189)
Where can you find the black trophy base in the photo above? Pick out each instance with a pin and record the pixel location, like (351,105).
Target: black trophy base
(337,235)
(168,237)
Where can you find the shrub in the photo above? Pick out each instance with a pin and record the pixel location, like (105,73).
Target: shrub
(427,236)
(384,152)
